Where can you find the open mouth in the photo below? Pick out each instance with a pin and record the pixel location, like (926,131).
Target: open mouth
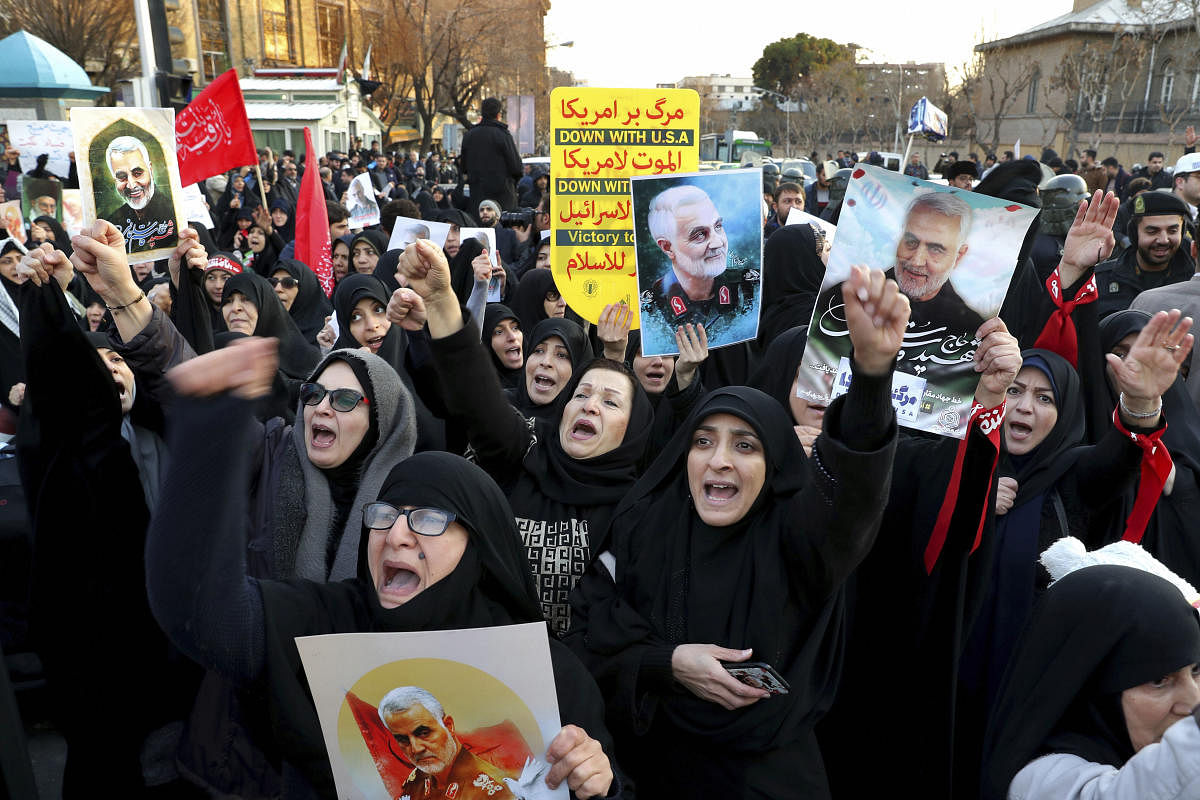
(719,493)
(543,383)
(1019,430)
(134,191)
(122,391)
(399,581)
(375,343)
(322,436)
(583,430)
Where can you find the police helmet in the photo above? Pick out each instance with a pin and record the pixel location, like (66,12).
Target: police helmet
(793,174)
(1060,202)
(770,168)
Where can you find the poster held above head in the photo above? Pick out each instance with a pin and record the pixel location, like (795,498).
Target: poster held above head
(52,138)
(599,139)
(361,203)
(952,252)
(407,230)
(699,256)
(456,713)
(128,175)
(40,197)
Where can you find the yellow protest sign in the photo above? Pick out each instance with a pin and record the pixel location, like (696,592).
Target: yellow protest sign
(598,139)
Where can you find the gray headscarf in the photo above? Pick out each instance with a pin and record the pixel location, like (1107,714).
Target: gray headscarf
(302,526)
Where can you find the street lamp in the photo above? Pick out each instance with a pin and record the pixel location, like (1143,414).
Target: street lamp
(787,111)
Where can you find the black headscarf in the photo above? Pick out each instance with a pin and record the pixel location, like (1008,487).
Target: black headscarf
(311,306)
(296,356)
(263,263)
(490,586)
(1098,631)
(592,481)
(385,271)
(346,296)
(62,240)
(1039,469)
(462,274)
(493,315)
(377,239)
(792,275)
(776,373)
(577,346)
(287,231)
(529,304)
(689,582)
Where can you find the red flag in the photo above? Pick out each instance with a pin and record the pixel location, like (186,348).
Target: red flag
(312,223)
(212,134)
(393,768)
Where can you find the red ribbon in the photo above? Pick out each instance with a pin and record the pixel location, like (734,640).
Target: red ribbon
(1156,468)
(1059,334)
(988,420)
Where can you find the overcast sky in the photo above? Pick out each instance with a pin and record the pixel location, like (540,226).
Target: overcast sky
(638,43)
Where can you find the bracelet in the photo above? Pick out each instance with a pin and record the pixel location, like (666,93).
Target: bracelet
(1136,415)
(141,296)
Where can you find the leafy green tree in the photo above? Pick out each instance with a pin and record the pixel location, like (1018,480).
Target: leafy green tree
(785,63)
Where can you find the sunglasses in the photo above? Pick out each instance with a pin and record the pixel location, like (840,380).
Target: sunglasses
(286,282)
(343,400)
(425,521)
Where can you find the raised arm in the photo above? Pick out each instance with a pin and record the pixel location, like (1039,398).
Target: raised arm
(195,550)
(470,386)
(839,511)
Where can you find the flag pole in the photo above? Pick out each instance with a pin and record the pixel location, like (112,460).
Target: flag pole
(261,192)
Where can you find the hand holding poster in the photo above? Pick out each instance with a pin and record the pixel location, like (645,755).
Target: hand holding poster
(599,138)
(128,175)
(699,256)
(360,202)
(487,240)
(952,252)
(485,698)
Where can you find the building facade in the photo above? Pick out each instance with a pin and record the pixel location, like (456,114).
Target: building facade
(1118,76)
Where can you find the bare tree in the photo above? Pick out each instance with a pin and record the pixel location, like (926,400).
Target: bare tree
(1004,78)
(99,35)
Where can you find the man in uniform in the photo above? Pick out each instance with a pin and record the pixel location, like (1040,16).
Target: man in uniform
(1156,229)
(425,737)
(146,216)
(700,287)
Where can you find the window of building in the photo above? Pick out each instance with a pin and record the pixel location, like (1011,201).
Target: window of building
(214,39)
(331,33)
(276,140)
(277,41)
(1168,84)
(1031,101)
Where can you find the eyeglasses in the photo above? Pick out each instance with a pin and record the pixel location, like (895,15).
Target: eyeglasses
(423,520)
(286,282)
(343,400)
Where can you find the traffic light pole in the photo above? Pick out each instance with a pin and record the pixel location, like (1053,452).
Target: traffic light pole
(149,91)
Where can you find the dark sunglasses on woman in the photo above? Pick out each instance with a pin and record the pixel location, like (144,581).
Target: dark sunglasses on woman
(286,282)
(311,394)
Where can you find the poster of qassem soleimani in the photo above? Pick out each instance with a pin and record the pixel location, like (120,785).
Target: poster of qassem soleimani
(952,252)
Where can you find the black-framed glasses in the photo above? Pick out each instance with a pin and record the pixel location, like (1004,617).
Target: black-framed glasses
(343,400)
(287,282)
(423,520)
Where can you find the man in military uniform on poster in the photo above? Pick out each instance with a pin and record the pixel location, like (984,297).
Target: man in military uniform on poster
(146,216)
(1159,254)
(700,287)
(425,737)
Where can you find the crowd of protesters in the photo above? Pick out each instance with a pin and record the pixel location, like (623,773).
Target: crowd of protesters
(216,458)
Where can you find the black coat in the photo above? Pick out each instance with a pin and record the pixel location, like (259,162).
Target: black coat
(490,164)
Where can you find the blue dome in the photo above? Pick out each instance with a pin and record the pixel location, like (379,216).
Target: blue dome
(36,68)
